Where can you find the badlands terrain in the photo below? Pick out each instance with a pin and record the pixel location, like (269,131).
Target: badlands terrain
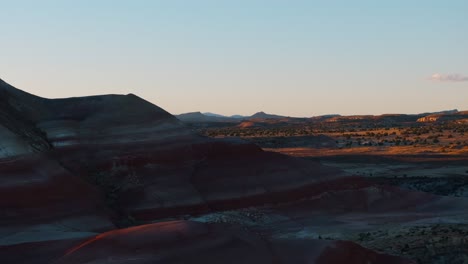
(425,153)
(116,179)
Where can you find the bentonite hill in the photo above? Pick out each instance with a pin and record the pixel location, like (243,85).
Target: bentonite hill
(114,178)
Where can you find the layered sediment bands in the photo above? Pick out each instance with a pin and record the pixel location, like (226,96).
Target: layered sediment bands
(16,124)
(44,252)
(347,252)
(40,200)
(141,159)
(368,198)
(147,164)
(155,164)
(191,242)
(73,168)
(12,144)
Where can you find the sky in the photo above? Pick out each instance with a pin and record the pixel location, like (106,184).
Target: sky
(294,58)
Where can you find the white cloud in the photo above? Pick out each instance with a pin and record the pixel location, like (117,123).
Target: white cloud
(448,77)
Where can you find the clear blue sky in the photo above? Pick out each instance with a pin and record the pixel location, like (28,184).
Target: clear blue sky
(298,58)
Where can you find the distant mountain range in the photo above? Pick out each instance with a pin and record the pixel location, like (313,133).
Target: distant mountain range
(445,112)
(196,117)
(208,117)
(217,115)
(264,115)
